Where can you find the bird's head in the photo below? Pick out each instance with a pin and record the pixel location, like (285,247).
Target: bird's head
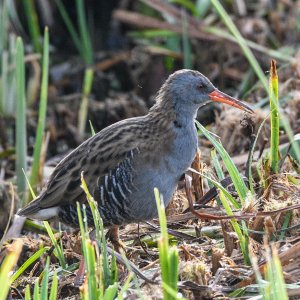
(192,89)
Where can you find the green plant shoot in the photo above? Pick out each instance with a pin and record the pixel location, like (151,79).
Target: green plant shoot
(273,94)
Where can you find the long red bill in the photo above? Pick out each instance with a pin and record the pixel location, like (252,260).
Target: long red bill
(218,96)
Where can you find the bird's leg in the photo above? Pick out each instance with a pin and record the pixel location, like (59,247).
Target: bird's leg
(113,235)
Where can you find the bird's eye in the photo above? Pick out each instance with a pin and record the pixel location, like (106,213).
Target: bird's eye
(200,86)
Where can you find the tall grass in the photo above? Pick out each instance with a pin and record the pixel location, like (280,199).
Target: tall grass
(58,249)
(86,90)
(81,40)
(7,58)
(273,286)
(252,45)
(241,41)
(32,259)
(168,256)
(237,180)
(21,132)
(83,43)
(7,266)
(33,24)
(187,51)
(41,287)
(273,94)
(84,32)
(3,27)
(35,171)
(3,54)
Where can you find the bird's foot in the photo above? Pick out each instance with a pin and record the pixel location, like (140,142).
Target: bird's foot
(113,235)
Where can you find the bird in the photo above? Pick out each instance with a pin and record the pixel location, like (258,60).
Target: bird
(124,162)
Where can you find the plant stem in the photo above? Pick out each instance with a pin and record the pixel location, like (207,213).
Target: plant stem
(21,143)
(34,178)
(274,145)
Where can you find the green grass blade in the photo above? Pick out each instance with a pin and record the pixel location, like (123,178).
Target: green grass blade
(84,33)
(259,279)
(33,24)
(126,285)
(172,294)
(28,263)
(202,7)
(21,134)
(168,257)
(91,270)
(54,287)
(4,57)
(8,79)
(219,186)
(111,292)
(7,266)
(3,26)
(34,178)
(29,185)
(270,52)
(217,165)
(238,182)
(83,111)
(187,4)
(279,284)
(27,292)
(84,292)
(100,236)
(114,273)
(36,291)
(173,267)
(45,281)
(57,250)
(3,83)
(68,22)
(153,33)
(241,41)
(92,128)
(187,52)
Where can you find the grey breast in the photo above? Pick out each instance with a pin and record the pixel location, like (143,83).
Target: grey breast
(163,175)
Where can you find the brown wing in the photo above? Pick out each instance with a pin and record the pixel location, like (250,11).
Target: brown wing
(95,157)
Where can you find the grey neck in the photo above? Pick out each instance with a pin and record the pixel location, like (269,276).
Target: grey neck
(185,114)
(175,109)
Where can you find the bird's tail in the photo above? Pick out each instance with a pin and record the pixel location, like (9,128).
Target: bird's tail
(34,211)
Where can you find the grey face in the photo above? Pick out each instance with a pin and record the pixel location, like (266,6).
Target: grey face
(191,87)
